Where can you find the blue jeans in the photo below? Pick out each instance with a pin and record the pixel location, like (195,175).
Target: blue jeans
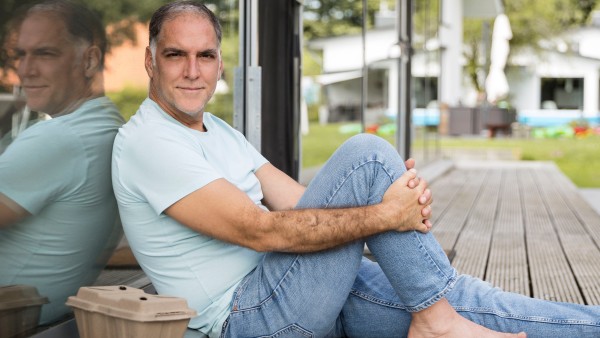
(338,293)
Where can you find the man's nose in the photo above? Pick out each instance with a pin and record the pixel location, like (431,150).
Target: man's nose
(192,68)
(26,66)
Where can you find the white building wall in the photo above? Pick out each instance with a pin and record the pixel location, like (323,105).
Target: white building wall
(524,88)
(451,32)
(345,52)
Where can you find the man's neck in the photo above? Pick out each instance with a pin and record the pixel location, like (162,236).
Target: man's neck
(92,89)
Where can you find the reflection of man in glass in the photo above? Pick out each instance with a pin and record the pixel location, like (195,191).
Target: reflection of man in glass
(57,209)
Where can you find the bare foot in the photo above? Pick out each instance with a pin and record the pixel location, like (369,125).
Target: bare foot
(441,320)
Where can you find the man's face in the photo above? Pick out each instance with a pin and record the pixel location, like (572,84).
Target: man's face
(187,64)
(49,64)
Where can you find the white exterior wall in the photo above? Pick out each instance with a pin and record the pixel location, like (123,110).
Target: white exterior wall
(525,88)
(345,52)
(451,32)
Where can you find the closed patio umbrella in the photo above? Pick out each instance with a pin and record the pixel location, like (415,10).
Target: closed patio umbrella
(496,85)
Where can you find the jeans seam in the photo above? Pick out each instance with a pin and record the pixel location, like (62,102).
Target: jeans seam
(267,299)
(239,291)
(352,171)
(376,300)
(435,298)
(432,300)
(433,261)
(502,314)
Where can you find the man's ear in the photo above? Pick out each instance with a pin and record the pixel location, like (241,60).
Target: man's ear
(148,62)
(92,59)
(221,66)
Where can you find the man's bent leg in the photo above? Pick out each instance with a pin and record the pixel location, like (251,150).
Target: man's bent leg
(302,295)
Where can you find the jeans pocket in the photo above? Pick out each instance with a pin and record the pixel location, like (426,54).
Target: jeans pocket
(291,331)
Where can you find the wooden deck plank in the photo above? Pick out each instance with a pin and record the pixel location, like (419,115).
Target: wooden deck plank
(446,188)
(551,275)
(580,249)
(473,244)
(455,216)
(522,227)
(507,266)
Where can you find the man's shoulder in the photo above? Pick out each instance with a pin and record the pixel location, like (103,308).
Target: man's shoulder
(214,122)
(148,115)
(96,106)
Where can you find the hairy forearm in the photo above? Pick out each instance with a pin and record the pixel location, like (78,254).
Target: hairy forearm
(311,230)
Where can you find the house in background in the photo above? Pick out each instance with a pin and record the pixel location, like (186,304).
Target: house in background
(554,86)
(560,83)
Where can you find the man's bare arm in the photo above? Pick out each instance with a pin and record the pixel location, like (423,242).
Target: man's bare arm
(222,211)
(10,211)
(280,191)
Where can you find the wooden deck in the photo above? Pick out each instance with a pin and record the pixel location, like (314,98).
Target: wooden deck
(522,226)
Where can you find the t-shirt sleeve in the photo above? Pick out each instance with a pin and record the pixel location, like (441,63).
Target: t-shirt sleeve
(162,166)
(40,166)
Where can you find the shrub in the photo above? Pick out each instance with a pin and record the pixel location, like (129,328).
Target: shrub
(128,100)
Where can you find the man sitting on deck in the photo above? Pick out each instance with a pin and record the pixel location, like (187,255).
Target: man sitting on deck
(259,255)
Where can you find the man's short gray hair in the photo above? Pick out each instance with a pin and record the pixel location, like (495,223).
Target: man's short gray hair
(172,9)
(82,24)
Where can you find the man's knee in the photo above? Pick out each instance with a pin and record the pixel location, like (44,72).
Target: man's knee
(366,139)
(370,144)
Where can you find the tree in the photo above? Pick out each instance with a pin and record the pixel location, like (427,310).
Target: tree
(325,18)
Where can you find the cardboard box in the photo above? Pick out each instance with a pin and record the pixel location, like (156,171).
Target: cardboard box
(20,307)
(125,312)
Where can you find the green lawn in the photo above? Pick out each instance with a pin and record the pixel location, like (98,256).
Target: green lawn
(578,158)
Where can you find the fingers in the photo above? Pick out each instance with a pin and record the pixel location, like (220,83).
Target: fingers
(415,204)
(410,163)
(427,224)
(408,176)
(424,226)
(414,182)
(426,211)
(426,198)
(420,185)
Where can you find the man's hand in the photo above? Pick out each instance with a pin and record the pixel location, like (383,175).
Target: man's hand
(427,198)
(401,203)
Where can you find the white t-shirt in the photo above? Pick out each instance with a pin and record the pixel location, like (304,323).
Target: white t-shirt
(158,161)
(59,171)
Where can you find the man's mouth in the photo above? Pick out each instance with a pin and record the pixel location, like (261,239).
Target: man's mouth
(190,89)
(33,87)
